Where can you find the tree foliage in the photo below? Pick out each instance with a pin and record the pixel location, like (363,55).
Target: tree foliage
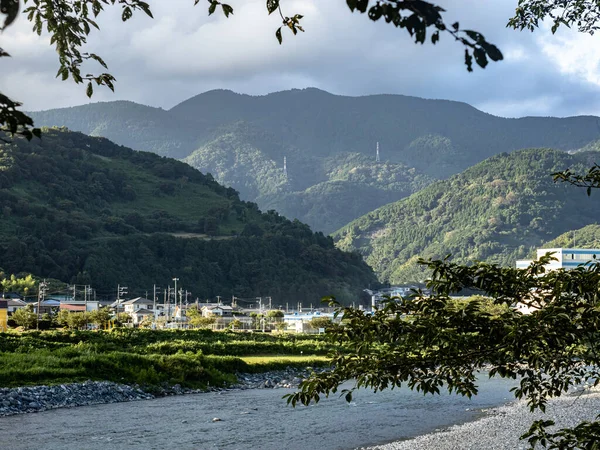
(320,322)
(25,317)
(196,319)
(24,285)
(434,343)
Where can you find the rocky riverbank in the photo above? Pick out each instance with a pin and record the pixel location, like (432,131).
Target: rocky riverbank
(41,398)
(501,428)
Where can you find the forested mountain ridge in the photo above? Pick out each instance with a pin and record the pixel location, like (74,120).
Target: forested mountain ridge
(82,209)
(498,211)
(242,140)
(325,193)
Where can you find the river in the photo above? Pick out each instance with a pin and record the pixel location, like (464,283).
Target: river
(250,419)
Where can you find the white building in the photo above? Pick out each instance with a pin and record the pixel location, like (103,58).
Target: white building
(566,258)
(218,310)
(131,306)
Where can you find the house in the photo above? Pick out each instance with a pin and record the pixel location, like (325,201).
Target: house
(80,306)
(217,310)
(48,306)
(140,314)
(300,322)
(13,304)
(72,308)
(131,306)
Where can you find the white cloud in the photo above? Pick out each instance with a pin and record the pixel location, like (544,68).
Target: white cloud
(575,54)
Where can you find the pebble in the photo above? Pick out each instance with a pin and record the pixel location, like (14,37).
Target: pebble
(501,428)
(41,398)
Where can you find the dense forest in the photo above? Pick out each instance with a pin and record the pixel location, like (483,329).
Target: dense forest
(329,142)
(82,209)
(325,193)
(498,211)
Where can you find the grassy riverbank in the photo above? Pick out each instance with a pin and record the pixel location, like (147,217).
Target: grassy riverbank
(192,358)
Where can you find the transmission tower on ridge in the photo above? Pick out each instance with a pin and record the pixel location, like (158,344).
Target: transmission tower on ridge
(377,154)
(285,167)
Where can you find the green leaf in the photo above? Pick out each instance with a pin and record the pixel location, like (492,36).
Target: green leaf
(90,90)
(272,5)
(362,5)
(492,51)
(352,4)
(375,12)
(468,60)
(212,8)
(127,13)
(278,35)
(480,57)
(227,10)
(11,9)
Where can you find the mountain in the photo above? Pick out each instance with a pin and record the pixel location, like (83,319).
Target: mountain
(242,140)
(86,211)
(326,193)
(497,211)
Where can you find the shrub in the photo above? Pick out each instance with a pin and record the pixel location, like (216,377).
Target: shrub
(25,317)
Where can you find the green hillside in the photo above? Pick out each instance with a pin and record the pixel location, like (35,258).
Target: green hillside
(586,237)
(326,193)
(243,139)
(85,210)
(497,211)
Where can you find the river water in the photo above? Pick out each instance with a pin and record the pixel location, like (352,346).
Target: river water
(250,419)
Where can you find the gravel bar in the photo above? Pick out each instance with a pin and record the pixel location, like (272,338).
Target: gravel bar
(502,426)
(30,399)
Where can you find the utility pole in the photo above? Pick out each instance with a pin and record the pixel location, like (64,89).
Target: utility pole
(269,303)
(175,296)
(181,304)
(165,302)
(154,300)
(121,290)
(218,299)
(168,305)
(41,294)
(87,295)
(259,304)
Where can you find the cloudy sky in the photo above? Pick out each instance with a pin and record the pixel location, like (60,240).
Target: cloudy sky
(183,52)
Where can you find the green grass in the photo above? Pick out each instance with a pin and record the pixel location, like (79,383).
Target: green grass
(267,359)
(192,358)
